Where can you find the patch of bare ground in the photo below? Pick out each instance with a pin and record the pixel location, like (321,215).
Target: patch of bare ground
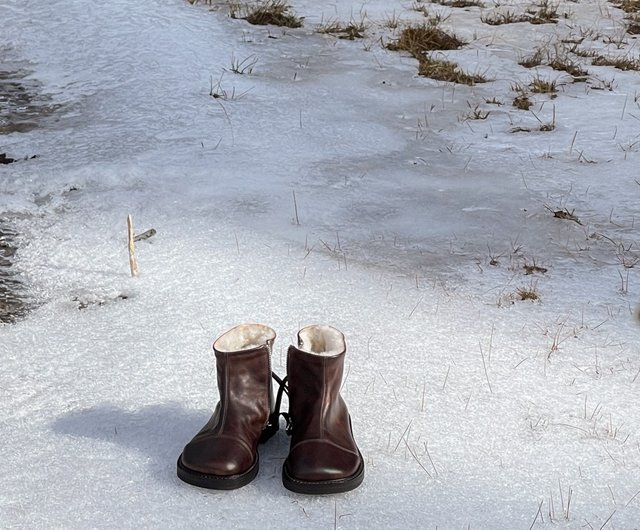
(13,305)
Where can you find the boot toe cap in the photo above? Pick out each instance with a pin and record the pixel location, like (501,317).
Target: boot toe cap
(321,461)
(218,457)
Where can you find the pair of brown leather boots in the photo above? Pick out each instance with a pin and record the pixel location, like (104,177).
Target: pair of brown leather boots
(323,456)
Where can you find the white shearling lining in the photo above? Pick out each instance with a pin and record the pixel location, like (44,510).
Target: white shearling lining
(321,340)
(245,337)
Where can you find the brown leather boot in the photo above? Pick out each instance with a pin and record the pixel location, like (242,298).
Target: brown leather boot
(323,457)
(224,455)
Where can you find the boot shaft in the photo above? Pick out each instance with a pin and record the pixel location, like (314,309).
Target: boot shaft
(315,369)
(243,366)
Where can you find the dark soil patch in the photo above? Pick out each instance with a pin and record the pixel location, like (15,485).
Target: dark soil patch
(13,304)
(22,106)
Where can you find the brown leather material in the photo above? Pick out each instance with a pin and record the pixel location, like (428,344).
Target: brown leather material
(322,449)
(226,447)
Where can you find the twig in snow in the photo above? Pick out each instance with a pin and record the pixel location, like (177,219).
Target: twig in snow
(237,243)
(145,235)
(564,214)
(295,208)
(133,262)
(446,377)
(608,519)
(415,307)
(484,364)
(416,458)
(538,513)
(402,437)
(426,448)
(631,499)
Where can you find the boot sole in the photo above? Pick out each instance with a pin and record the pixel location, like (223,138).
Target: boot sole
(323,487)
(217,482)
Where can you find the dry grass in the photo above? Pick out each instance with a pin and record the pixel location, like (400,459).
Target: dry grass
(521,101)
(633,24)
(528,293)
(581,52)
(243,66)
(476,113)
(443,70)
(628,6)
(565,64)
(621,63)
(539,85)
(271,12)
(459,3)
(543,13)
(392,21)
(351,31)
(420,38)
(433,18)
(557,59)
(532,268)
(534,60)
(498,18)
(632,14)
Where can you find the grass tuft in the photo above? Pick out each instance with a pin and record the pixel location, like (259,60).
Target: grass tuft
(564,64)
(633,24)
(498,18)
(540,85)
(459,3)
(271,12)
(628,6)
(632,14)
(558,60)
(521,101)
(621,63)
(528,293)
(532,268)
(392,21)
(443,70)
(533,60)
(476,113)
(353,30)
(420,38)
(544,13)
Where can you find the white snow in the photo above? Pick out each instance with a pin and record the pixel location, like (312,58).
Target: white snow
(472,408)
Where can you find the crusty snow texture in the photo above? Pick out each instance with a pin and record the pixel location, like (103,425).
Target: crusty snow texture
(330,185)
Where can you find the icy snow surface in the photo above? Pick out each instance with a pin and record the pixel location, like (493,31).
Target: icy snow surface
(330,184)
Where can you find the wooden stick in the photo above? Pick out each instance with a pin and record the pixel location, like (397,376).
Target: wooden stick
(133,262)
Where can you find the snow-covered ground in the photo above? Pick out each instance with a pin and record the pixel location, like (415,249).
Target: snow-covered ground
(330,184)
